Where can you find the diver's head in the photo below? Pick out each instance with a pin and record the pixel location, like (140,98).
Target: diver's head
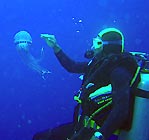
(109,40)
(22,37)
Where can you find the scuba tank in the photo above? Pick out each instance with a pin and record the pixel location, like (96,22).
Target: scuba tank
(140,129)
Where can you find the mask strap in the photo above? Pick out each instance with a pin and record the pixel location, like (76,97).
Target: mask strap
(115,42)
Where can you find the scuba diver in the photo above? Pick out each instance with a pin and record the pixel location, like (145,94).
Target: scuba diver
(106,96)
(23,42)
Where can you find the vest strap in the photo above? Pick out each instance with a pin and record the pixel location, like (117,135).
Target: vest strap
(87,122)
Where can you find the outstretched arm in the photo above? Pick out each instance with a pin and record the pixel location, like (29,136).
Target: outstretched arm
(70,65)
(65,61)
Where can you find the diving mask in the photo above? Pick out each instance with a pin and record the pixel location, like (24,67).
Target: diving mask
(98,42)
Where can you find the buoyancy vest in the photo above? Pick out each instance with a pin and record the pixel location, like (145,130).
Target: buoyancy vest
(99,70)
(98,73)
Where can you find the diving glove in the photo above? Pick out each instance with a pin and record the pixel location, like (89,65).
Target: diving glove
(50,39)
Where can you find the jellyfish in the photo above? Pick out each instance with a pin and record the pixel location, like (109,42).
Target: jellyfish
(23,42)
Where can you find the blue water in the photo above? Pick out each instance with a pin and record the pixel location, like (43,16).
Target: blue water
(27,102)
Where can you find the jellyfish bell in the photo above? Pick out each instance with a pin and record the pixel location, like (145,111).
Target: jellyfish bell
(23,40)
(22,36)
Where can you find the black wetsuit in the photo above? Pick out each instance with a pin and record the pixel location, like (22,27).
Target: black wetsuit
(119,75)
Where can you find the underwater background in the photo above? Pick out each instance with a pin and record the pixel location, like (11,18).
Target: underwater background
(28,103)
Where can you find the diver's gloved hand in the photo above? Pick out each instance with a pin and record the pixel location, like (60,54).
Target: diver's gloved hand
(51,41)
(84,134)
(97,136)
